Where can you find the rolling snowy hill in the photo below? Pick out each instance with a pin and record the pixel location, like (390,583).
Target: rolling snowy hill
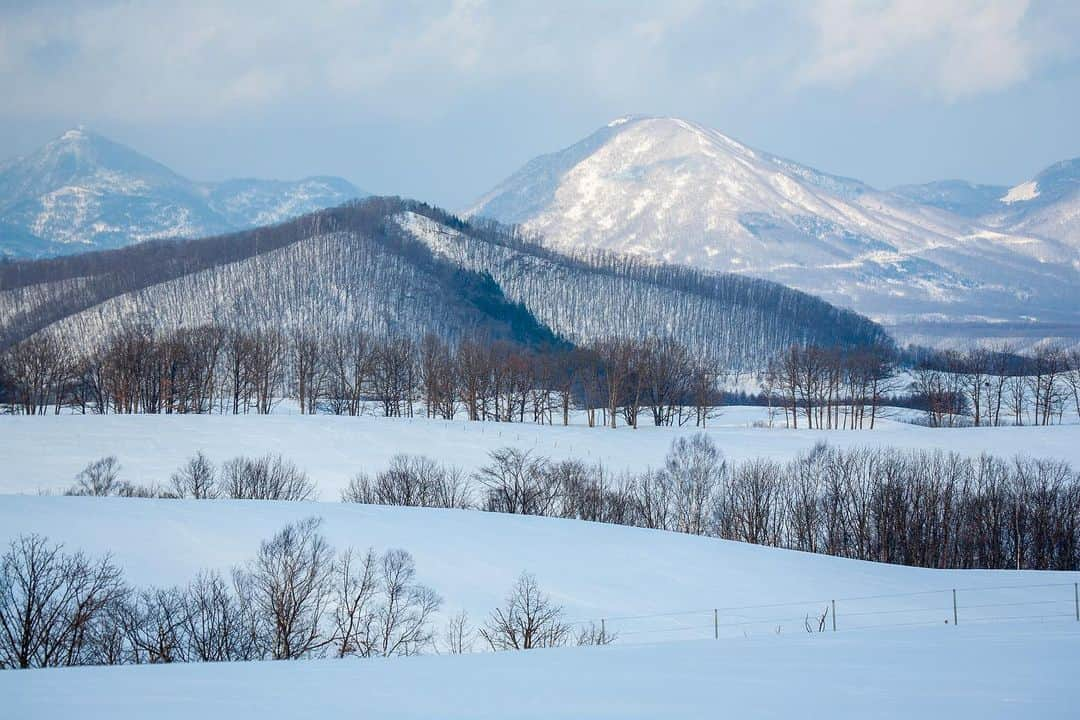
(83,192)
(895,652)
(978,672)
(670,190)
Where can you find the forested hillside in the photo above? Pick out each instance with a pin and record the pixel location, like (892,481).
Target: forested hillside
(386,266)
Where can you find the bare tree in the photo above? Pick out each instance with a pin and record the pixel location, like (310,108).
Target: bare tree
(355,588)
(694,468)
(215,626)
(529,619)
(267,478)
(402,619)
(154,622)
(100,478)
(50,603)
(291,579)
(518,482)
(196,479)
(411,480)
(458,635)
(596,634)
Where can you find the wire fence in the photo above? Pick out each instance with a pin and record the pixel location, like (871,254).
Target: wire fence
(1044,602)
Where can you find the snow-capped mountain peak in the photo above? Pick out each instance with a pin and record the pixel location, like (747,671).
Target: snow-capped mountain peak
(673,190)
(84,191)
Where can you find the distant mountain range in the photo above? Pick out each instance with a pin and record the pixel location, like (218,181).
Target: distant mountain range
(937,263)
(84,192)
(931,261)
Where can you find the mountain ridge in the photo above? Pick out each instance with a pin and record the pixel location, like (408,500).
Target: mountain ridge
(393,267)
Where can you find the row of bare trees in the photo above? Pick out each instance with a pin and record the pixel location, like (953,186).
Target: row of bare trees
(295,599)
(830,387)
(845,388)
(905,507)
(992,387)
(269,477)
(211,369)
(928,509)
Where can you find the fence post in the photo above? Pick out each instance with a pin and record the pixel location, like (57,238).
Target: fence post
(603,628)
(715,624)
(954,618)
(834,616)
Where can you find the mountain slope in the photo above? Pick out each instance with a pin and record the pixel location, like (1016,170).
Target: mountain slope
(385,265)
(1047,205)
(83,191)
(956,196)
(669,190)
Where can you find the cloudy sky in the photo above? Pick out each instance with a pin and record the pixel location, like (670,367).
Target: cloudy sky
(440,100)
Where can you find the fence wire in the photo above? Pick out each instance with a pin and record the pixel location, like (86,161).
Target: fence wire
(1039,602)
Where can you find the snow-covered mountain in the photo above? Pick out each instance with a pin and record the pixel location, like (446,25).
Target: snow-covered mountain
(671,190)
(82,191)
(1047,205)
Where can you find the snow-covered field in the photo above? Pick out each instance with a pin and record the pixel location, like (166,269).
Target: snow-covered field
(43,454)
(1028,672)
(895,652)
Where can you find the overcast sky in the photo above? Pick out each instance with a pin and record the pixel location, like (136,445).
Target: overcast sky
(441,100)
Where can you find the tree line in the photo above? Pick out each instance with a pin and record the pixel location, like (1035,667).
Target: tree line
(216,370)
(830,387)
(907,507)
(997,386)
(840,388)
(926,509)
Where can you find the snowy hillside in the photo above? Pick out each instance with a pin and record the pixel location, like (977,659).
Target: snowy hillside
(978,672)
(670,190)
(957,196)
(332,449)
(1047,205)
(83,191)
(385,266)
(1012,651)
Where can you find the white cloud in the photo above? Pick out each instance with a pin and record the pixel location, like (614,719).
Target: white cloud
(952,48)
(204,59)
